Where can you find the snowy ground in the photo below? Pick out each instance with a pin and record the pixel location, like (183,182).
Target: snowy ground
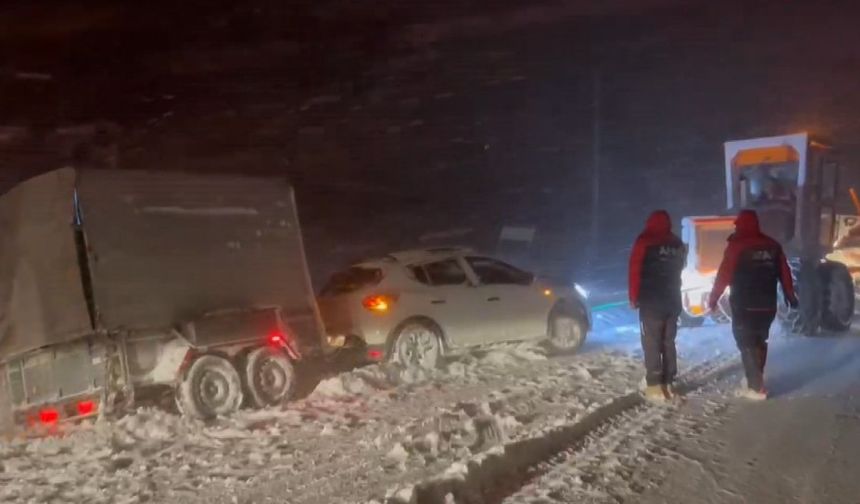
(798,447)
(369,434)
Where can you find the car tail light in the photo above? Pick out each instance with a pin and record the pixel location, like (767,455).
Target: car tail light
(379,304)
(374,354)
(277,338)
(86,408)
(49,416)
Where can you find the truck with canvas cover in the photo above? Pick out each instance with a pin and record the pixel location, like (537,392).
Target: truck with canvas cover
(791,181)
(115,283)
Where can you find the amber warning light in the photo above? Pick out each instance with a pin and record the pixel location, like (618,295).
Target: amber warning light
(378,304)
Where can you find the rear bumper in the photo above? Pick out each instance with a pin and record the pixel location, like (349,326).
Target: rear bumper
(370,328)
(35,420)
(374,353)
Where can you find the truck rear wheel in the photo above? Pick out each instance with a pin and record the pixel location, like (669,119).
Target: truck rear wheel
(211,387)
(837,297)
(269,377)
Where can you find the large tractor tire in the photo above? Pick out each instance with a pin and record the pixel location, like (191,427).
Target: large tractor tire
(837,307)
(805,320)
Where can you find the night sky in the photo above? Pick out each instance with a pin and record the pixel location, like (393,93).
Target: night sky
(417,117)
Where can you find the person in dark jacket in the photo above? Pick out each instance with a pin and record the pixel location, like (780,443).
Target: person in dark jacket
(752,265)
(655,290)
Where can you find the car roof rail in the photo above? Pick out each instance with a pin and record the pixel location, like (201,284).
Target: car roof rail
(425,253)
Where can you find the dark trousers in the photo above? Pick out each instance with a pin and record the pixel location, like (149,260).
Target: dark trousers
(751,331)
(658,344)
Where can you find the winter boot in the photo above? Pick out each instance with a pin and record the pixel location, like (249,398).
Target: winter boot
(655,394)
(671,392)
(752,395)
(751,358)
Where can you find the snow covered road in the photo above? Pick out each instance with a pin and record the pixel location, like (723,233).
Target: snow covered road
(798,447)
(369,434)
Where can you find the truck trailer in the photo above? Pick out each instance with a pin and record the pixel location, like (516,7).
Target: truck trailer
(114,283)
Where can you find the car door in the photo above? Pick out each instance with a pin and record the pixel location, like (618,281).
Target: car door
(451,300)
(522,308)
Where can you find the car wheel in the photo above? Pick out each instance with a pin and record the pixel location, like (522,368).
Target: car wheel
(416,344)
(269,377)
(210,388)
(566,332)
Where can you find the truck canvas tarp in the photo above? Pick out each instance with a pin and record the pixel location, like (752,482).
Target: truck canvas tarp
(41,290)
(161,249)
(169,247)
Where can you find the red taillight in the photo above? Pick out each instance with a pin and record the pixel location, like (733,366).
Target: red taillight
(86,408)
(49,416)
(374,354)
(276,338)
(378,304)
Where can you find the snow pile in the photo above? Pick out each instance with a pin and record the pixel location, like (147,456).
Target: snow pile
(366,434)
(459,366)
(143,454)
(509,355)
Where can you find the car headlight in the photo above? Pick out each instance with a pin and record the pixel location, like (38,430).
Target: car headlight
(582,291)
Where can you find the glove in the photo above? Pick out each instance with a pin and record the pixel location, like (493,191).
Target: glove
(712,305)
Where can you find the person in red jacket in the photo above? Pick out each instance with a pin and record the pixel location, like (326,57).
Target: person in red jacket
(752,265)
(655,290)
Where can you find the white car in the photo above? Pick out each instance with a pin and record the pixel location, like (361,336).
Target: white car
(410,307)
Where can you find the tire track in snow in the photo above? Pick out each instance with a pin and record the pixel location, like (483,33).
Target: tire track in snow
(354,468)
(493,476)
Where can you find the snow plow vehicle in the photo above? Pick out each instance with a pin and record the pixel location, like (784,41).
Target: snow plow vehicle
(705,238)
(791,181)
(846,249)
(117,283)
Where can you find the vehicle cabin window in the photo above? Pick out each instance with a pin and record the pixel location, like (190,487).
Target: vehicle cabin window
(351,280)
(447,272)
(419,274)
(493,272)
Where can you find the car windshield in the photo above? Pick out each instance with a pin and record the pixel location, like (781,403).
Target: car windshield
(351,280)
(771,183)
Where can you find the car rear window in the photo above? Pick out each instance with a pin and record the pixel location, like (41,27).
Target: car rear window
(351,280)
